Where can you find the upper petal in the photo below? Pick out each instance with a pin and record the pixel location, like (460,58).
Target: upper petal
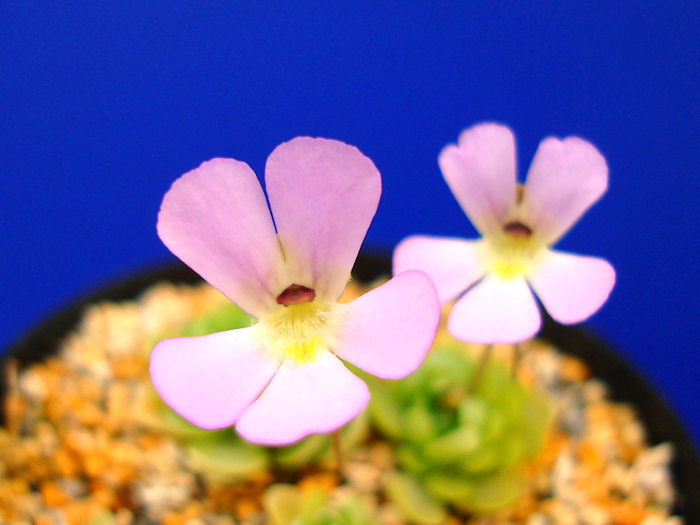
(572,287)
(323,194)
(566,177)
(210,380)
(303,399)
(480,171)
(452,264)
(495,311)
(216,220)
(388,331)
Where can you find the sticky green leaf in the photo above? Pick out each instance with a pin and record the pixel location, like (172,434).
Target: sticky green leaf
(226,459)
(414,503)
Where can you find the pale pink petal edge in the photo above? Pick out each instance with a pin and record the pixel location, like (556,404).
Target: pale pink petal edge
(323,194)
(452,264)
(572,287)
(566,178)
(388,331)
(210,380)
(215,218)
(317,397)
(481,172)
(495,311)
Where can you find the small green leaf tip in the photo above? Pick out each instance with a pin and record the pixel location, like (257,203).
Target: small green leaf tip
(410,497)
(226,459)
(226,316)
(288,505)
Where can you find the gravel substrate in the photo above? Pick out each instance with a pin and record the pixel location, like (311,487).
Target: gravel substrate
(80,445)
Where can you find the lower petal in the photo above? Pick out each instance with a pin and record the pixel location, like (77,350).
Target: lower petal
(453,264)
(388,331)
(495,311)
(304,399)
(210,380)
(572,287)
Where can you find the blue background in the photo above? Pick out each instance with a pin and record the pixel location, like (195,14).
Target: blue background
(104,105)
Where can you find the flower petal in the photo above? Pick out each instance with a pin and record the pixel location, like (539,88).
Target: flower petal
(216,220)
(304,399)
(388,331)
(480,171)
(452,264)
(323,194)
(572,287)
(566,177)
(210,380)
(495,311)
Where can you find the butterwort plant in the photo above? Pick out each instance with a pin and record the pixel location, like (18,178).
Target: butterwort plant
(519,224)
(284,376)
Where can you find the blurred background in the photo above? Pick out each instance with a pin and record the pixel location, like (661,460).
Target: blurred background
(105,104)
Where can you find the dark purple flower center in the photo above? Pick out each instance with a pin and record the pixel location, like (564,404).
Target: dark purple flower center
(517,229)
(296,294)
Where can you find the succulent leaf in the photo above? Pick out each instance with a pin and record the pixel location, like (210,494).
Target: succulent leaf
(494,492)
(282,503)
(317,447)
(453,445)
(385,408)
(414,502)
(228,459)
(288,505)
(226,316)
(305,452)
(463,441)
(449,487)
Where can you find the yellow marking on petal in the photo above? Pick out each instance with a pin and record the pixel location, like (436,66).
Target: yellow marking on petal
(508,270)
(300,332)
(512,256)
(304,351)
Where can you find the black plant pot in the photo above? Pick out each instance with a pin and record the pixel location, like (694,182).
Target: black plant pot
(625,383)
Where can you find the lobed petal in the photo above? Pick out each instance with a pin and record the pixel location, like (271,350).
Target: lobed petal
(388,331)
(495,311)
(480,171)
(210,380)
(572,287)
(323,194)
(320,396)
(215,218)
(566,177)
(452,264)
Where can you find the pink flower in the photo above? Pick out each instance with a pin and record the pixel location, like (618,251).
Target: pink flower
(282,378)
(518,223)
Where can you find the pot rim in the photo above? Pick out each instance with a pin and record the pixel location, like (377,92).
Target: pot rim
(623,379)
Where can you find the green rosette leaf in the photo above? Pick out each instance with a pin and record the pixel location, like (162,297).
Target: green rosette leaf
(227,458)
(413,501)
(462,439)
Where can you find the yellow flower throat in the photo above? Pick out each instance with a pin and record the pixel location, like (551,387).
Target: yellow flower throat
(299,331)
(512,252)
